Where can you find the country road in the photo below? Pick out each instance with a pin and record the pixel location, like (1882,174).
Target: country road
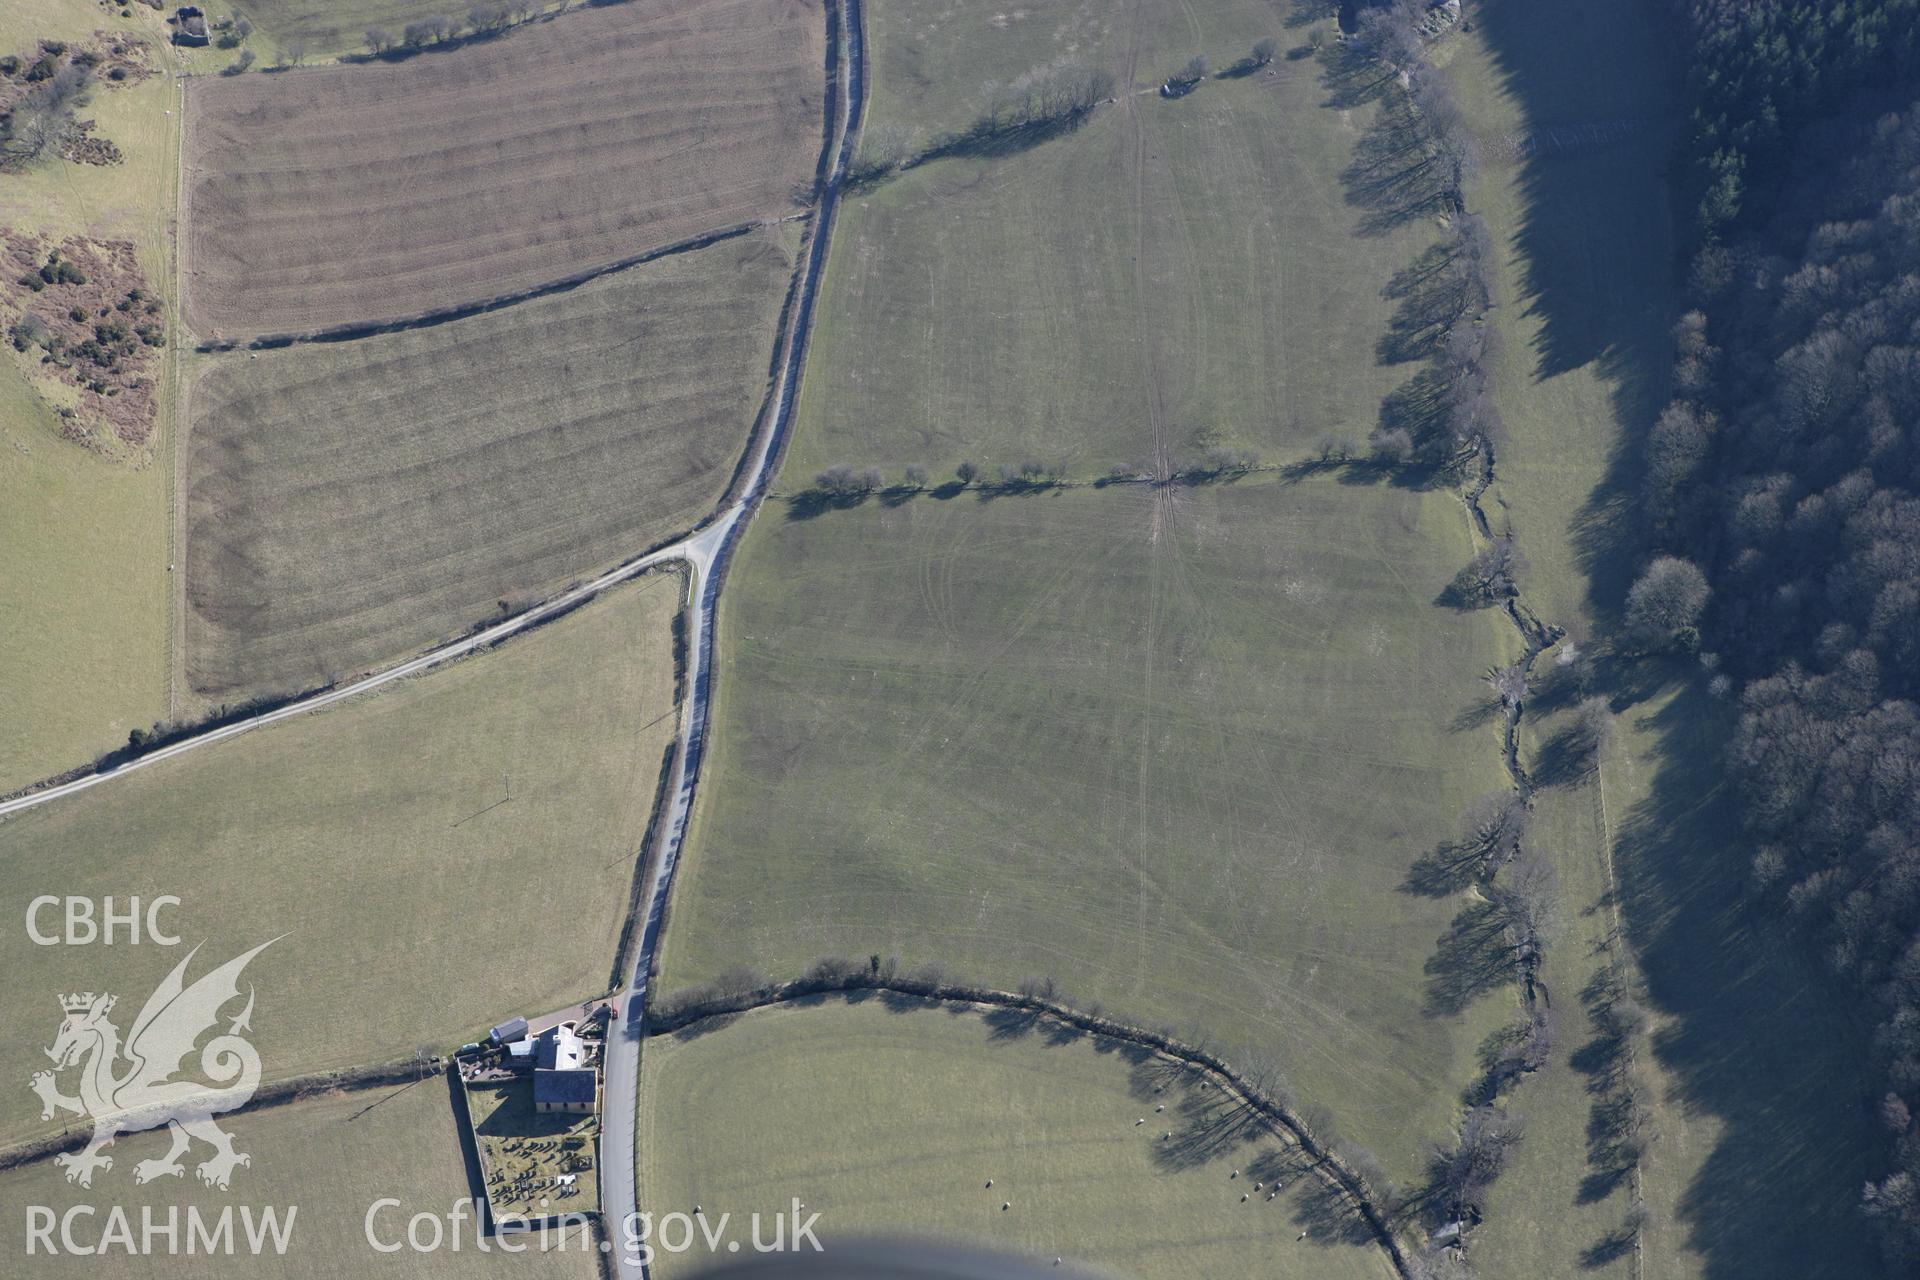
(705,553)
(708,554)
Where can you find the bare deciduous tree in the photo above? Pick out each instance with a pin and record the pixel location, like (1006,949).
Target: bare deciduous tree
(1492,575)
(1590,732)
(1463,1170)
(42,118)
(1495,827)
(1509,684)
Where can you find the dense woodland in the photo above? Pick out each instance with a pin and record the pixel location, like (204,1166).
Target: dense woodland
(1761,70)
(1783,490)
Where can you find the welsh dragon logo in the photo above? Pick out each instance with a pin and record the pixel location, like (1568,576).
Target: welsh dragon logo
(129,1087)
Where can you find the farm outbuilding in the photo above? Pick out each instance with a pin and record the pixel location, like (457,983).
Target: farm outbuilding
(190,26)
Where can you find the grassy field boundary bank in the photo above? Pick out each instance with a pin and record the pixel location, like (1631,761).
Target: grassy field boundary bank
(682,1010)
(445,315)
(176,737)
(817,499)
(626,951)
(463,33)
(279,1094)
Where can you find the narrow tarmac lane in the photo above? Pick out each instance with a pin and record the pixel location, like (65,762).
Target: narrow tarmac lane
(709,554)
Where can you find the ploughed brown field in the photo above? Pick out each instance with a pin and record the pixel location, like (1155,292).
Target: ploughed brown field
(350,502)
(384,191)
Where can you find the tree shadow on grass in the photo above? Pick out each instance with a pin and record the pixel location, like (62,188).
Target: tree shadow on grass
(1608,1249)
(1431,294)
(989,142)
(1393,178)
(906,1002)
(705,1026)
(1159,1080)
(1597,246)
(1444,870)
(812,503)
(1473,957)
(1304,13)
(1055,1032)
(1767,1055)
(1476,715)
(1563,759)
(1351,78)
(1329,1216)
(1011,1024)
(1209,1124)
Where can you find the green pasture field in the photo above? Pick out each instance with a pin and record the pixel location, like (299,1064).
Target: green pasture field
(1176,747)
(888,1118)
(1173,748)
(84,594)
(351,502)
(1174,275)
(328,1159)
(432,858)
(933,60)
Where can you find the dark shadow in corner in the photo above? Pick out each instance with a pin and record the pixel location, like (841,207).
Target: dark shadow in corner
(1760,1042)
(988,142)
(1595,253)
(1473,958)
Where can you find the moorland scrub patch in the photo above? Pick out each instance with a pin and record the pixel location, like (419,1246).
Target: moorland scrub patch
(81,313)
